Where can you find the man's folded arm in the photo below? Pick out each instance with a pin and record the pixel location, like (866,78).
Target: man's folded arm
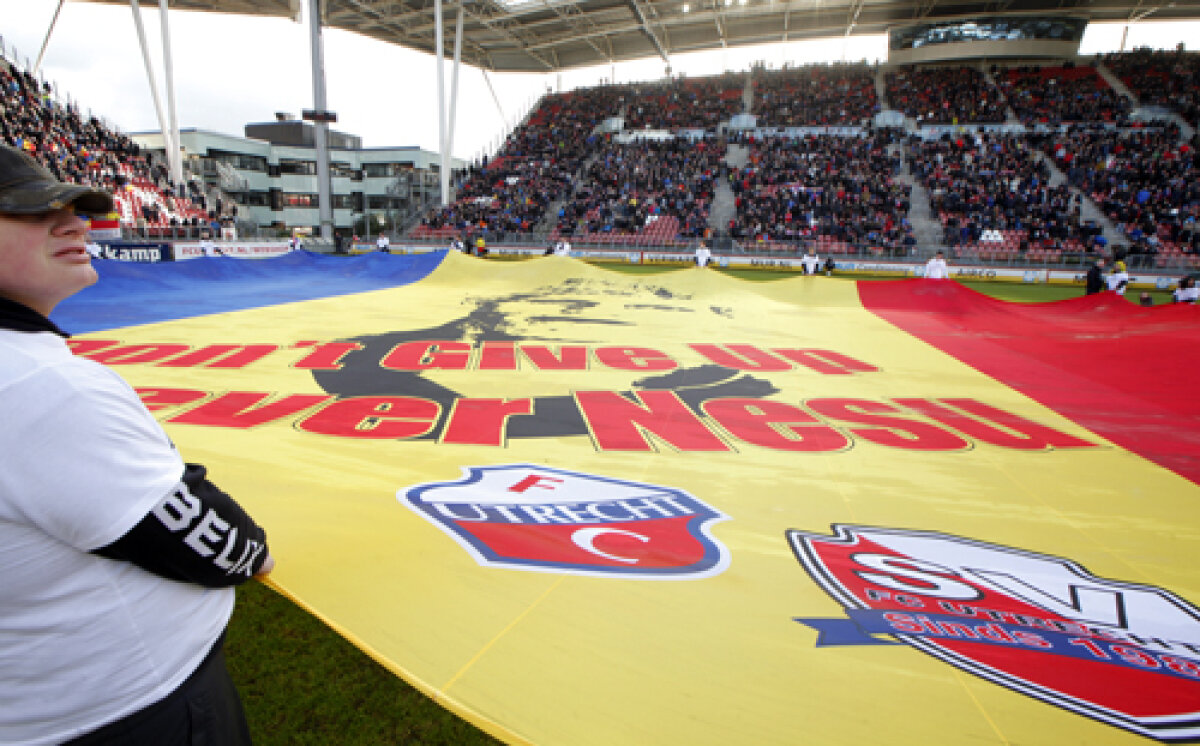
(195,534)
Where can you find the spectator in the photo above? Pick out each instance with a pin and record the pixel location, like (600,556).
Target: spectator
(383,243)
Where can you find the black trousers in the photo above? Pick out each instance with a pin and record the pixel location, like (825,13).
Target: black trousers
(204,710)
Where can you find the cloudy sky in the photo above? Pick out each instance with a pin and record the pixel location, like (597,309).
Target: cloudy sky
(232,70)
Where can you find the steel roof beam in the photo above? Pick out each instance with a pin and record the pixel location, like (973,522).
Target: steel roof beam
(645,26)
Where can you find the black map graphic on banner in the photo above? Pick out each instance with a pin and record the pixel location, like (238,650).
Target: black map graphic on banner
(507,319)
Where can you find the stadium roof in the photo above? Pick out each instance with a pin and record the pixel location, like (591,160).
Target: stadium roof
(551,35)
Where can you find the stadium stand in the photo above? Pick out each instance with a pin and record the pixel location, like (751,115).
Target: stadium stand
(993,196)
(816,95)
(685,103)
(533,170)
(652,191)
(1145,180)
(945,95)
(835,192)
(86,151)
(1159,78)
(1054,95)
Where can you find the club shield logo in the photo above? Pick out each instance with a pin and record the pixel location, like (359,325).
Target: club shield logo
(530,517)
(1123,653)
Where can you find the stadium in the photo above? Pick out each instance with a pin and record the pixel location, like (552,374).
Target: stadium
(656,424)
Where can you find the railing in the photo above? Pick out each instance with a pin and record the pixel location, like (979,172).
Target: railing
(838,251)
(245,231)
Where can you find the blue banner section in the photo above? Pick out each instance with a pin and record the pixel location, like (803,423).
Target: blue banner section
(135,293)
(860,624)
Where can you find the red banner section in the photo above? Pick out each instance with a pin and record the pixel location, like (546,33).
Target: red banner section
(1125,372)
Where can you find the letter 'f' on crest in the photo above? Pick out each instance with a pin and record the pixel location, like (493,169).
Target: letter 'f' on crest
(535,480)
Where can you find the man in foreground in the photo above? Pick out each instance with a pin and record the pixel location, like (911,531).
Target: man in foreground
(118,559)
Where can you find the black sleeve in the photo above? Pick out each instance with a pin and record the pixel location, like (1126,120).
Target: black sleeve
(196,534)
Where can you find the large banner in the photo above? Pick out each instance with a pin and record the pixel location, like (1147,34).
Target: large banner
(582,507)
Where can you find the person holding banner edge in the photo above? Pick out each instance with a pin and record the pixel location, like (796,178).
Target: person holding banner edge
(119,559)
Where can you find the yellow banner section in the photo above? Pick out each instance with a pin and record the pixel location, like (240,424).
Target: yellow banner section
(580,507)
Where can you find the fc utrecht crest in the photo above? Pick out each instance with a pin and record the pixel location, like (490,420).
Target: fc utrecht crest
(529,517)
(1122,653)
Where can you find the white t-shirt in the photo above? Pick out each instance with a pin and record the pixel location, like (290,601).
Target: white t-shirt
(84,640)
(1118,282)
(703,256)
(810,262)
(382,243)
(936,269)
(1187,295)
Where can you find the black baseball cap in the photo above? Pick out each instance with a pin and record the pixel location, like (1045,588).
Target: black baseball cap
(28,188)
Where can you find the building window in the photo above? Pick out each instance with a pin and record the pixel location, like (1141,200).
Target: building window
(382,202)
(253,199)
(384,170)
(302,168)
(240,161)
(299,200)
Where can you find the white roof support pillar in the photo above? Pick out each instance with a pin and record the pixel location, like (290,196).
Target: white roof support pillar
(169,146)
(320,119)
(440,60)
(175,155)
(46,42)
(458,35)
(496,99)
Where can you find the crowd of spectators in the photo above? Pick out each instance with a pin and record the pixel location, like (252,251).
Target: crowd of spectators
(1161,78)
(841,189)
(627,186)
(81,149)
(816,95)
(988,189)
(1058,95)
(1145,179)
(945,95)
(535,168)
(995,188)
(685,103)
